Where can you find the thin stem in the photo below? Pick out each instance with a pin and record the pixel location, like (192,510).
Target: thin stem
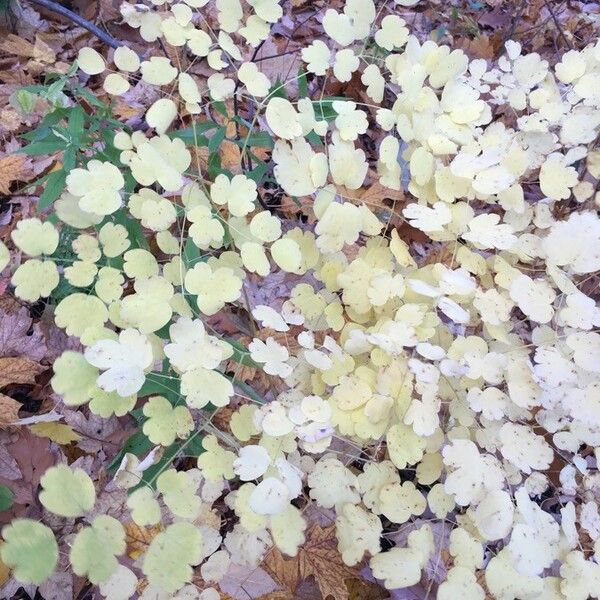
(69,14)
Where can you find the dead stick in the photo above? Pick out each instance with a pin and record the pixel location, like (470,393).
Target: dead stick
(69,14)
(558,27)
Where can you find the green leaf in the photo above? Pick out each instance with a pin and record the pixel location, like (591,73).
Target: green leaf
(55,184)
(89,97)
(94,549)
(191,254)
(76,124)
(194,135)
(137,444)
(168,560)
(302,83)
(324,107)
(216,139)
(134,229)
(150,475)
(70,158)
(241,354)
(45,147)
(6,497)
(277,90)
(67,492)
(261,140)
(54,91)
(25,100)
(259,171)
(30,550)
(157,384)
(248,390)
(221,108)
(214,165)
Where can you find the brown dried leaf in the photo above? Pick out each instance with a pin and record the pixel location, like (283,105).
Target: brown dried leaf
(247,583)
(480,47)
(360,589)
(9,469)
(18,370)
(10,120)
(13,44)
(230,155)
(43,52)
(15,167)
(139,538)
(318,558)
(15,339)
(9,410)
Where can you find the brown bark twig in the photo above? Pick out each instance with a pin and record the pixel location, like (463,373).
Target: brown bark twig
(79,20)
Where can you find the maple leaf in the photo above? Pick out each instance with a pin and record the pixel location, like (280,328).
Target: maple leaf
(318,558)
(16,167)
(18,370)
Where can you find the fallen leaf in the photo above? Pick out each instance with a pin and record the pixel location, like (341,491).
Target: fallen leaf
(230,155)
(248,583)
(10,119)
(139,538)
(43,52)
(9,410)
(480,47)
(18,370)
(33,456)
(318,558)
(361,589)
(4,571)
(14,167)
(57,432)
(13,44)
(58,586)
(18,337)
(9,469)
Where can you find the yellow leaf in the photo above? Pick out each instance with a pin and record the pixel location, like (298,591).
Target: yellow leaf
(138,538)
(57,432)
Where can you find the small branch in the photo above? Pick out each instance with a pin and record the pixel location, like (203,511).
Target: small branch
(558,26)
(69,14)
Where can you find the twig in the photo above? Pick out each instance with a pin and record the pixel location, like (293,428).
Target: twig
(558,26)
(69,14)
